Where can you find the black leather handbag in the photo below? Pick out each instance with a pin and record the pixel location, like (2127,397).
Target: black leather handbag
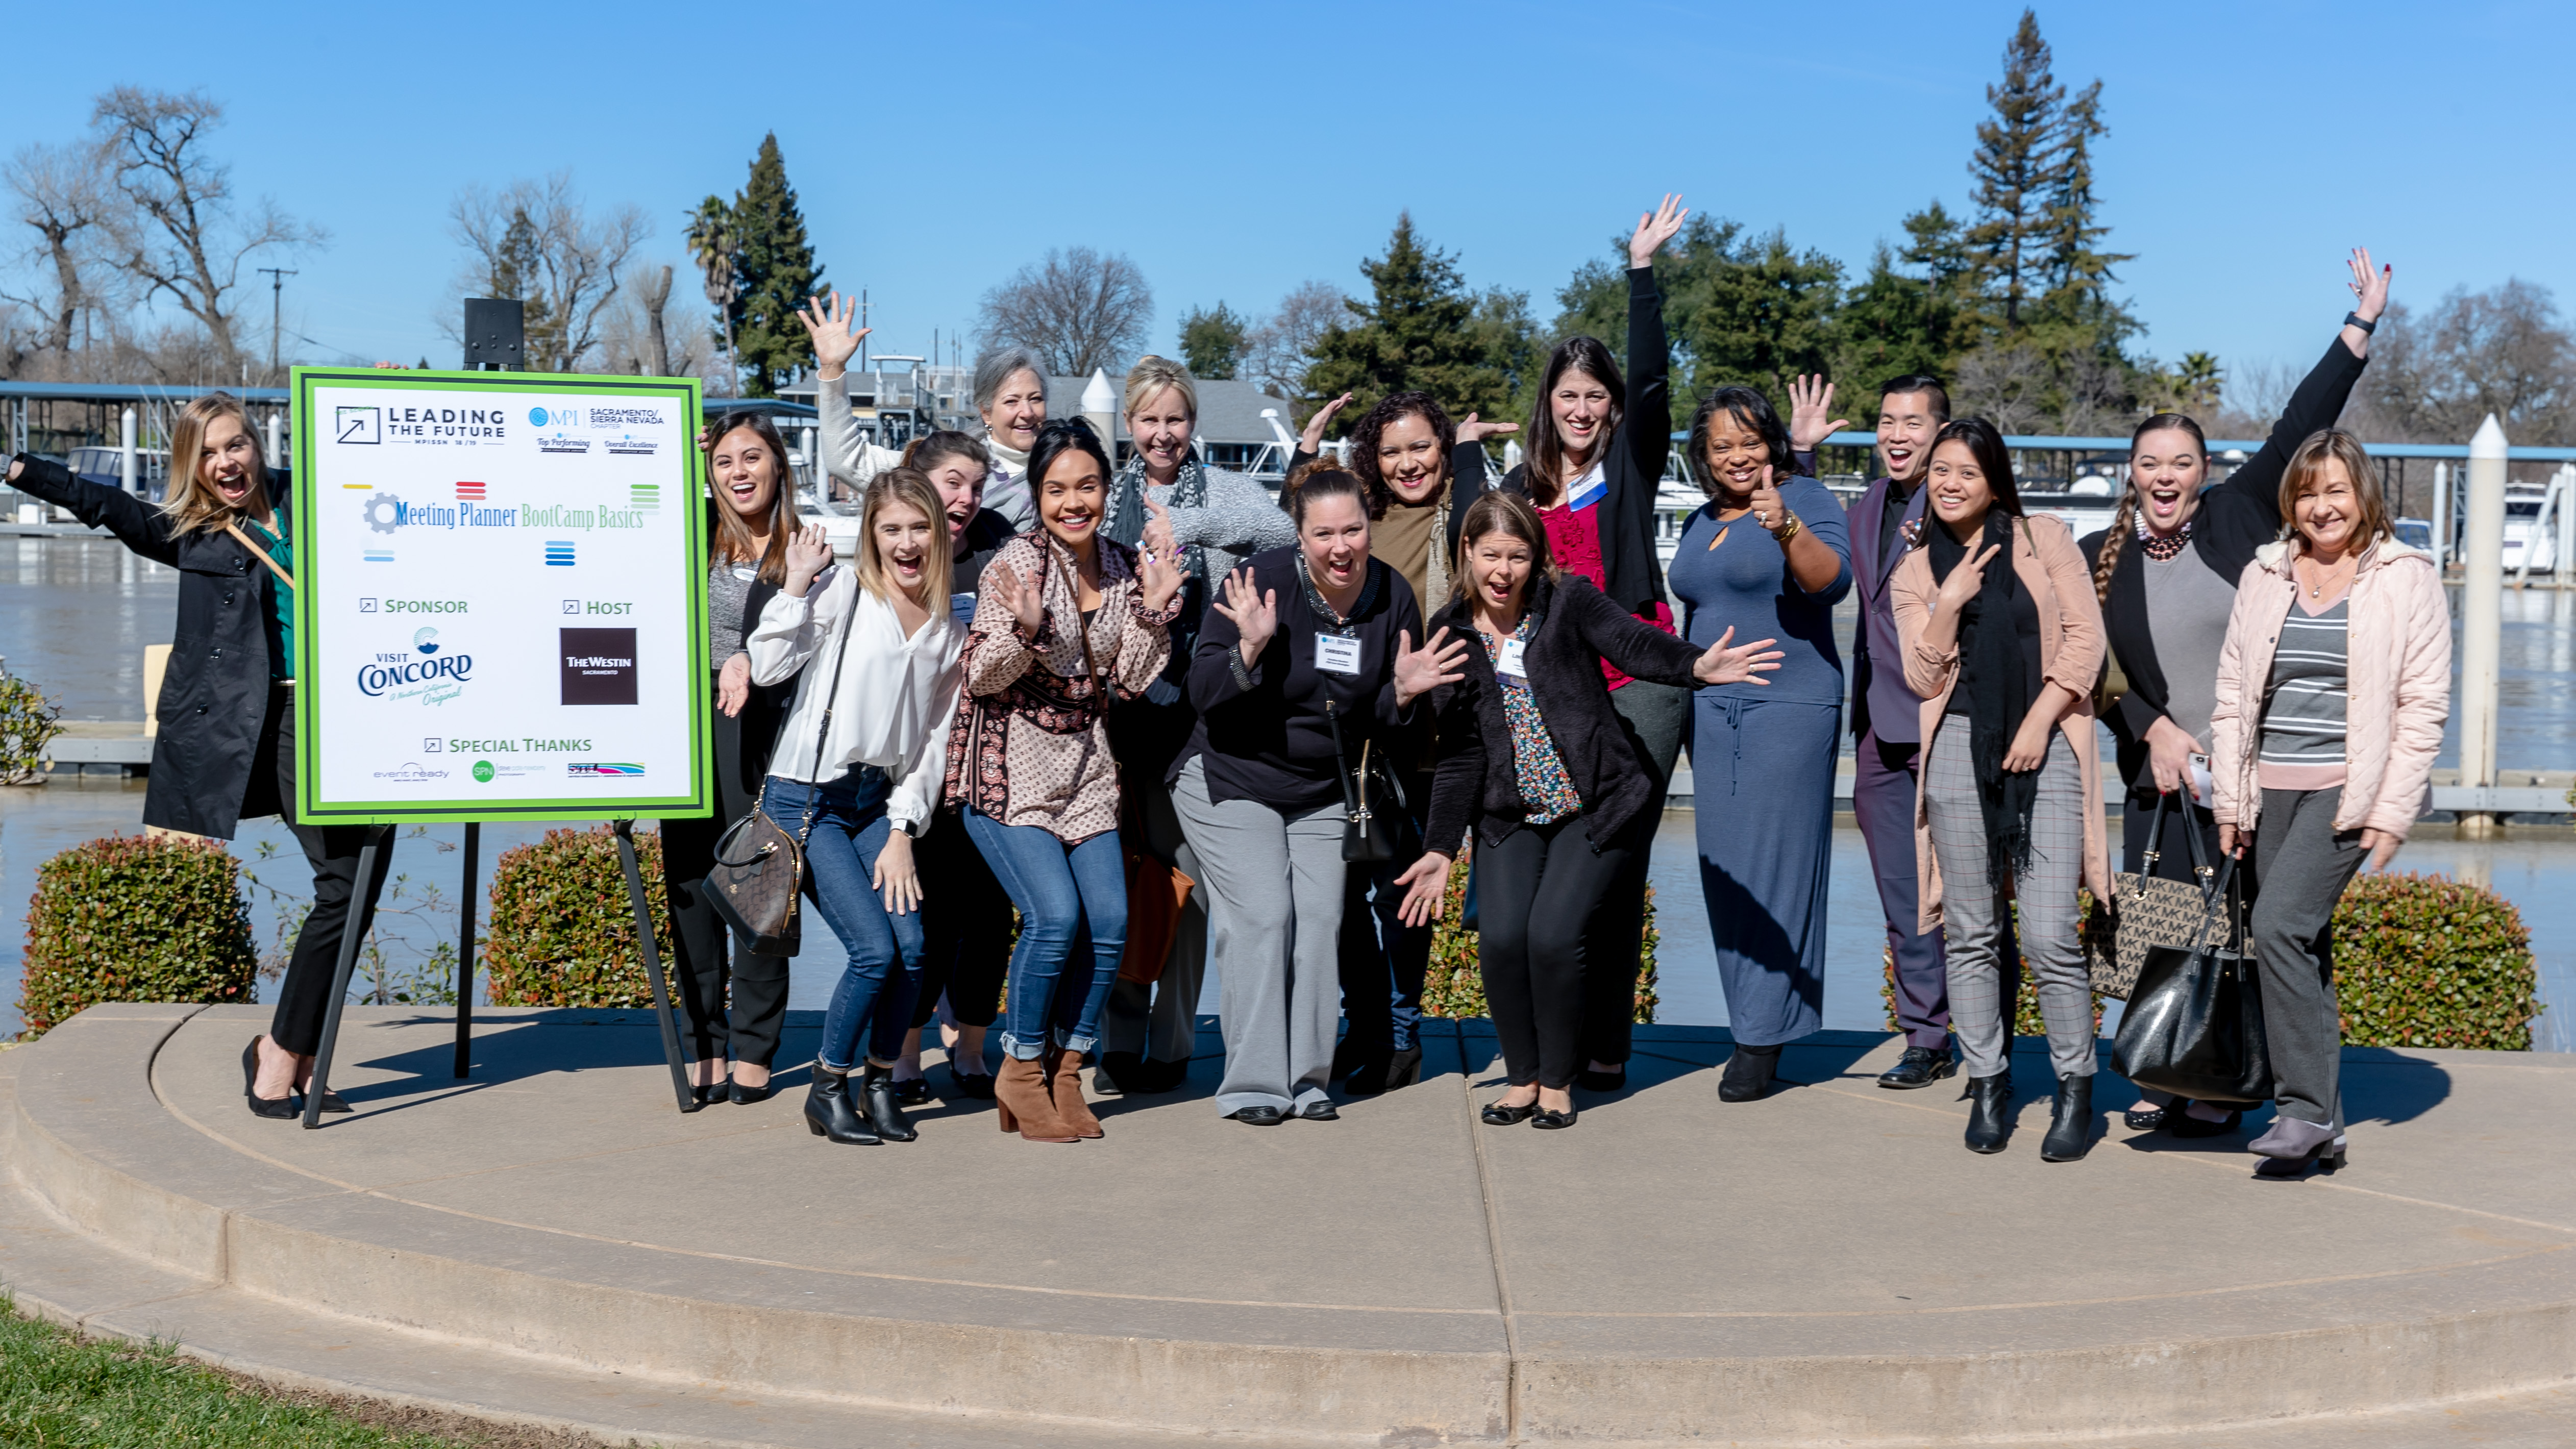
(2194,1023)
(758,878)
(1376,826)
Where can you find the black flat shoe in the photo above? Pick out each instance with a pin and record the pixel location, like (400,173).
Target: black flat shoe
(1989,1112)
(2183,1124)
(279,1107)
(1258,1116)
(978,1085)
(829,1113)
(2070,1121)
(912,1091)
(1498,1115)
(877,1103)
(1919,1067)
(1319,1112)
(1592,1081)
(1748,1074)
(1546,1120)
(708,1095)
(2147,1116)
(742,1096)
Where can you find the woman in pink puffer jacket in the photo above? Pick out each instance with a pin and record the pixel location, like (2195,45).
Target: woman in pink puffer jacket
(2332,690)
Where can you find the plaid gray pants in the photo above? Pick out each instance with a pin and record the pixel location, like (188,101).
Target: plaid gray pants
(1973,920)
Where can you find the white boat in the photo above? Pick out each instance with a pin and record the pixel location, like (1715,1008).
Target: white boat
(2530,540)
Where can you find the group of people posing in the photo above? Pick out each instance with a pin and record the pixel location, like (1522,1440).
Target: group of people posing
(1046,673)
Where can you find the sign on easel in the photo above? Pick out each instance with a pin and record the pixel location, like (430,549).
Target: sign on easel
(500,614)
(500,601)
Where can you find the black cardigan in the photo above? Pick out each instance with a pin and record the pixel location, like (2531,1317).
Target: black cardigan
(207,771)
(1478,778)
(1633,469)
(1271,743)
(2234,519)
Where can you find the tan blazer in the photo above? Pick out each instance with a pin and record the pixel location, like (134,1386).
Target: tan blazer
(2047,562)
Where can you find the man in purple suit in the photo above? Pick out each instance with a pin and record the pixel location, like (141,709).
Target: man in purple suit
(1887,722)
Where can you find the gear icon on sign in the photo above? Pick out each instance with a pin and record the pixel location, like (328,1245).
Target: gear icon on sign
(384,513)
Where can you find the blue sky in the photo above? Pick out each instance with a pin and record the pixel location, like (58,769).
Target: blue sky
(1235,151)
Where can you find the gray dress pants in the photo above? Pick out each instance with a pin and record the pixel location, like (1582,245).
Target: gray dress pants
(1275,885)
(2301,865)
(1161,1021)
(1973,920)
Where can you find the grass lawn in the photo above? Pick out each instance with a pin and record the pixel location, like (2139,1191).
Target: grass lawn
(61,1391)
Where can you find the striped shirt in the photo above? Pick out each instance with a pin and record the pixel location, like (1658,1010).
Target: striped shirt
(2303,711)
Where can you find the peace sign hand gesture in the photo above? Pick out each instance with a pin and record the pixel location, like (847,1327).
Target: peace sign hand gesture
(1810,399)
(1253,612)
(1964,580)
(1655,230)
(1420,671)
(834,343)
(1743,664)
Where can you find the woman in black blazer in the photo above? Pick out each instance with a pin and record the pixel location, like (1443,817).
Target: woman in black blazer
(225,751)
(1534,755)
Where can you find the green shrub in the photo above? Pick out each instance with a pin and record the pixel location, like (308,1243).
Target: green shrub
(135,918)
(562,931)
(1454,986)
(28,723)
(2426,961)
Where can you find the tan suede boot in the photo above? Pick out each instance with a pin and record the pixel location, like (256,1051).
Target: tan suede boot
(1020,1092)
(1065,1085)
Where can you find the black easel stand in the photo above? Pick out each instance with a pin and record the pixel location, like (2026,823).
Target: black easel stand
(625,830)
(380,838)
(465,955)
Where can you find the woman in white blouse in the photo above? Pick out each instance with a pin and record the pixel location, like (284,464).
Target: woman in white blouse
(857,771)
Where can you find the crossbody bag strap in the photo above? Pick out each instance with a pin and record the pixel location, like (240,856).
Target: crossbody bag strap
(261,554)
(831,699)
(1341,765)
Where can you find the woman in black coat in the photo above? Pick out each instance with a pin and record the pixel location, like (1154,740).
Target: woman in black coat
(1533,753)
(225,751)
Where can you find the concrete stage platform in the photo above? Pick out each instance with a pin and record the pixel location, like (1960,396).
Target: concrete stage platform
(551,1242)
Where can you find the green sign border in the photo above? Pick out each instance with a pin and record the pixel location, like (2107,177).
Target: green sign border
(314,579)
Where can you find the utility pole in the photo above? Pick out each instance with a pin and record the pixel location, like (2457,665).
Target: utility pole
(276,299)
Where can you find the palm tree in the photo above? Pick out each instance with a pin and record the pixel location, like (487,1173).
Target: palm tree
(713,241)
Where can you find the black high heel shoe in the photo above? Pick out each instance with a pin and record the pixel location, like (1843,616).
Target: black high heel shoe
(260,1106)
(1404,1069)
(1748,1073)
(708,1095)
(877,1100)
(742,1096)
(2325,1157)
(977,1085)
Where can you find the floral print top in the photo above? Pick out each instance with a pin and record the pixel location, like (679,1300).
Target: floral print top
(1544,785)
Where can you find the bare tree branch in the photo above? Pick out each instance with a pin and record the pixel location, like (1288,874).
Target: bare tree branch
(1078,309)
(59,192)
(1276,352)
(534,240)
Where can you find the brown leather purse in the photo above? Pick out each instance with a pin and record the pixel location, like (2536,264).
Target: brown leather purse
(759,875)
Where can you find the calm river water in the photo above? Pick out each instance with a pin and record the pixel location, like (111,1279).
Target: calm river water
(75,615)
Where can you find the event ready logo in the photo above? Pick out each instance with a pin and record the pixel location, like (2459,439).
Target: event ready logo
(429,671)
(358,425)
(596,768)
(410,773)
(598,666)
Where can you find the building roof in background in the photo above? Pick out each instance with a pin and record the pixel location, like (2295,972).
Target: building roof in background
(1229,412)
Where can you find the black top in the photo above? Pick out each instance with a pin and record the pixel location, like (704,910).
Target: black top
(208,772)
(2234,519)
(1271,742)
(1575,627)
(986,532)
(2025,620)
(1633,468)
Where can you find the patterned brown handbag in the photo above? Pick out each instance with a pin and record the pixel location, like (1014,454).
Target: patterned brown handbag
(759,874)
(2150,912)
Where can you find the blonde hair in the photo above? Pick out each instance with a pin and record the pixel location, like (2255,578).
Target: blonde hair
(911,488)
(2346,449)
(1151,375)
(192,502)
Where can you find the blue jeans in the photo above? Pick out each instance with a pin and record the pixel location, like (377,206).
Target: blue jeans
(850,830)
(1063,892)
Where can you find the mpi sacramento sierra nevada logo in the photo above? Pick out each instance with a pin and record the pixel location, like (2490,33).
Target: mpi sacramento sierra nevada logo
(430,671)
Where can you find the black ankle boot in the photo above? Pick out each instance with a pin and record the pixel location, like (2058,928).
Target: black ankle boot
(828,1112)
(1989,1112)
(884,1113)
(2070,1121)
(1748,1073)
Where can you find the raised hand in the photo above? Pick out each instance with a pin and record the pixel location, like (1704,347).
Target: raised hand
(1810,400)
(1254,612)
(1472,431)
(1740,664)
(1428,882)
(1161,576)
(1157,541)
(1655,230)
(809,552)
(1439,661)
(834,343)
(733,685)
(1025,599)
(1313,439)
(2369,286)
(1966,579)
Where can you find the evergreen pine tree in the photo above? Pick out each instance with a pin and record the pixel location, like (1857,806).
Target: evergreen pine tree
(774,264)
(518,273)
(1212,342)
(1419,329)
(2018,173)
(2078,270)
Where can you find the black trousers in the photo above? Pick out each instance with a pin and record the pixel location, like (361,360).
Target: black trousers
(332,850)
(1543,898)
(699,935)
(965,926)
(1654,717)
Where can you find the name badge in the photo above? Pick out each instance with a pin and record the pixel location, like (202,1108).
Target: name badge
(1339,653)
(746,575)
(1513,650)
